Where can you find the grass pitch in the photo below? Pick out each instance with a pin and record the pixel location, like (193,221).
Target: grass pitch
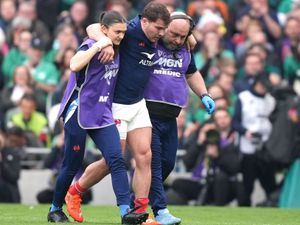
(15,214)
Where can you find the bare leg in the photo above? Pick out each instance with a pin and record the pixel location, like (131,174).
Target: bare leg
(139,141)
(94,173)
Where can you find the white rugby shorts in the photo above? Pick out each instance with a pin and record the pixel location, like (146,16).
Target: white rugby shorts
(130,117)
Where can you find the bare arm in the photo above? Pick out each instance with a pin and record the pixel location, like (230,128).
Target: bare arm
(82,58)
(191,42)
(49,88)
(273,27)
(196,83)
(94,32)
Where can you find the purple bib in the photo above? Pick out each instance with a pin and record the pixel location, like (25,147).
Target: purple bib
(95,94)
(167,82)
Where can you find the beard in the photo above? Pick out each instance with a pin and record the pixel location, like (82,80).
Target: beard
(170,46)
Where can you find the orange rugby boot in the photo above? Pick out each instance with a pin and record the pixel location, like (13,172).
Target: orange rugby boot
(74,206)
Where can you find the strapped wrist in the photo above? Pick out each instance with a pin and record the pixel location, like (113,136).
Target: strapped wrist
(205,94)
(97,47)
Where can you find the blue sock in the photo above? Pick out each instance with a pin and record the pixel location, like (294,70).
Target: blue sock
(123,209)
(55,208)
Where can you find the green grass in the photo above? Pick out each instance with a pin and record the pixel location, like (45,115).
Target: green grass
(108,215)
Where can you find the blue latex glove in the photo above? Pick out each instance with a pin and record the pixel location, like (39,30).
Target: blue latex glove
(209,104)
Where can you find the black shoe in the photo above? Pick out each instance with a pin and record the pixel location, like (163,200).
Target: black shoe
(57,217)
(133,218)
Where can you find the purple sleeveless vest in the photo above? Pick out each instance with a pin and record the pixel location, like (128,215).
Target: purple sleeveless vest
(95,94)
(167,82)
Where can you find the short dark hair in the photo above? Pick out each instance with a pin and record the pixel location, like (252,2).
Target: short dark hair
(29,97)
(154,11)
(108,18)
(250,54)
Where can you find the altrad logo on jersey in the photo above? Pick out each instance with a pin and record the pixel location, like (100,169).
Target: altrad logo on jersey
(148,55)
(148,61)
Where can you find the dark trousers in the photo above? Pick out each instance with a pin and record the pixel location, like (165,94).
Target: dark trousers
(164,148)
(254,167)
(218,189)
(108,141)
(9,193)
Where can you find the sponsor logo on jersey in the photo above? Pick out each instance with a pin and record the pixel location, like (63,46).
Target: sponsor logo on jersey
(148,61)
(110,72)
(167,72)
(166,62)
(148,55)
(103,98)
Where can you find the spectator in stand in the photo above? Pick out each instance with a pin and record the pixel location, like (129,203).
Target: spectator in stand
(34,123)
(8,11)
(27,10)
(255,62)
(197,9)
(287,6)
(124,7)
(22,84)
(18,25)
(291,36)
(252,66)
(225,81)
(66,58)
(270,62)
(48,11)
(210,54)
(292,68)
(196,114)
(3,51)
(240,29)
(11,145)
(295,13)
(16,56)
(260,10)
(251,120)
(222,103)
(214,163)
(64,39)
(228,66)
(77,16)
(254,35)
(44,74)
(65,73)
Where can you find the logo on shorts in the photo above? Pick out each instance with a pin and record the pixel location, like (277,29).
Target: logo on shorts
(76,148)
(118,122)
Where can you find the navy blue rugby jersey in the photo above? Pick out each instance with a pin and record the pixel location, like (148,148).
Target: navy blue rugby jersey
(136,59)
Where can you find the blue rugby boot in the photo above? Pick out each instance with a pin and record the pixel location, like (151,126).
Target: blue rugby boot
(166,218)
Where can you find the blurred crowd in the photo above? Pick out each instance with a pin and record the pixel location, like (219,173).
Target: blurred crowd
(247,51)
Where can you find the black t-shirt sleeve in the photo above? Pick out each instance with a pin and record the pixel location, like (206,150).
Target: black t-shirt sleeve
(192,67)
